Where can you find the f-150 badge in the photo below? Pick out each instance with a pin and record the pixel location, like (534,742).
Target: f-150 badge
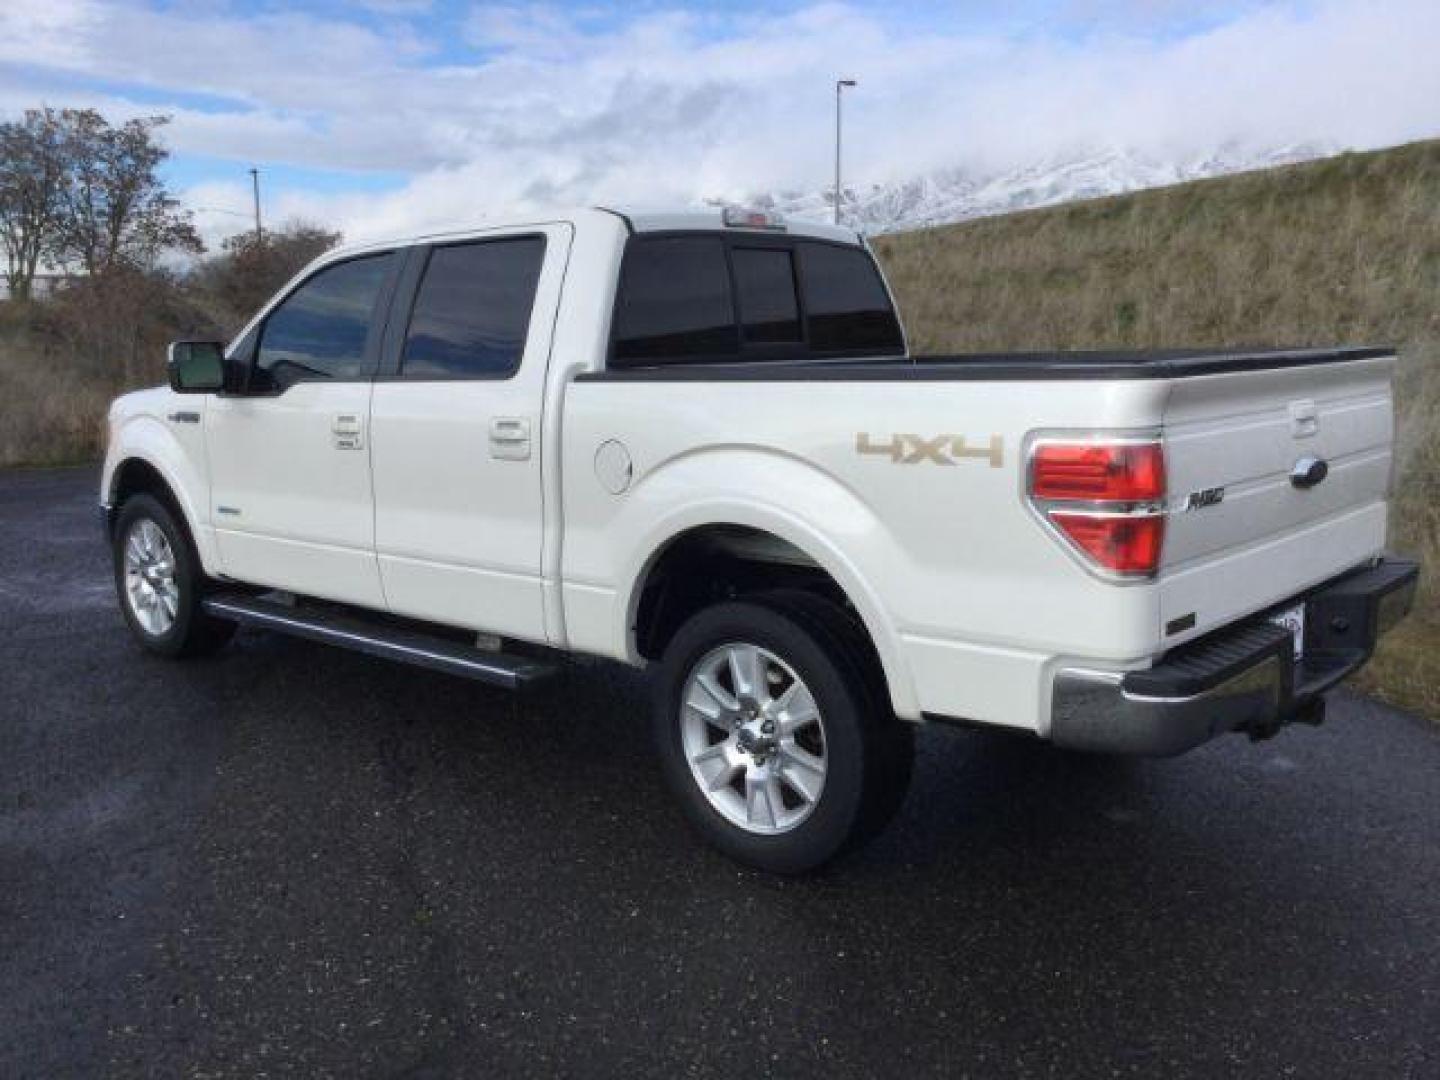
(939,450)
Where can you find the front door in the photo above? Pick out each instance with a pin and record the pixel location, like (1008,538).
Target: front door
(290,456)
(456,432)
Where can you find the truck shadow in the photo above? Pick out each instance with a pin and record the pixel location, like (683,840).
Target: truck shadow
(1012,803)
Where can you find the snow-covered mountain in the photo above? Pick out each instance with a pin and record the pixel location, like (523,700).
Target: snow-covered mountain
(959,193)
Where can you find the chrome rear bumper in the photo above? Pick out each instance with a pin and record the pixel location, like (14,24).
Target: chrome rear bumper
(1241,678)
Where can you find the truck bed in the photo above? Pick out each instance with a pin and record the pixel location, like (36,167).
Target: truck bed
(991,367)
(982,597)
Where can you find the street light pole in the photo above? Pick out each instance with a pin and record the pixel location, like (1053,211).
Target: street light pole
(840,84)
(255,184)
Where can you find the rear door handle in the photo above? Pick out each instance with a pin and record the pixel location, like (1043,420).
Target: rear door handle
(510,438)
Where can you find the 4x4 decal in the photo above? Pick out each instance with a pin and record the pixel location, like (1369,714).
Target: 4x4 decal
(939,450)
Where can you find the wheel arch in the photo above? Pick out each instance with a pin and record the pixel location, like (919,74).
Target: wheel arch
(771,550)
(136,471)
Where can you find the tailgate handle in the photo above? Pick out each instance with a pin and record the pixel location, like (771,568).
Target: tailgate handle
(1304,419)
(1309,471)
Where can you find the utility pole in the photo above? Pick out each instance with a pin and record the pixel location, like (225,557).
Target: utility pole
(840,84)
(255,184)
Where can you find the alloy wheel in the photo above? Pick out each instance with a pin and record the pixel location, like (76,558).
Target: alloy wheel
(754,738)
(150,585)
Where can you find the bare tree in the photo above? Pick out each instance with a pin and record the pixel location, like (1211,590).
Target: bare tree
(32,175)
(114,209)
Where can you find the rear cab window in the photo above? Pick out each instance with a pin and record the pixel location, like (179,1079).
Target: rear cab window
(717,297)
(846,304)
(767,298)
(674,301)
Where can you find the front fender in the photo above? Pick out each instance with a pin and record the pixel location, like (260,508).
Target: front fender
(146,438)
(747,486)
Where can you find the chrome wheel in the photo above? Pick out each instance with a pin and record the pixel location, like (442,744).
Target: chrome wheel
(150,585)
(754,738)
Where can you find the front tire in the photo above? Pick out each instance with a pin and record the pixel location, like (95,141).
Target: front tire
(160,582)
(775,733)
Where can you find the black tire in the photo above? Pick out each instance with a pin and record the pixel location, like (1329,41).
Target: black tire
(192,632)
(869,752)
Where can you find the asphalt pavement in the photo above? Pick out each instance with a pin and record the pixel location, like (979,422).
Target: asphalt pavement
(290,860)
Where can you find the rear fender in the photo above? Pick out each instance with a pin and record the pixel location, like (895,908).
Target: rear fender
(802,505)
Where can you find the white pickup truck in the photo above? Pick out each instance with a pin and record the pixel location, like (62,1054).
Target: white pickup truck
(697,440)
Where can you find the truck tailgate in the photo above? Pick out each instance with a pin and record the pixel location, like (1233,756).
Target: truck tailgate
(1241,535)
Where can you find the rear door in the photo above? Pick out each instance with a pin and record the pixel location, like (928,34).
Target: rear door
(455,424)
(289,456)
(1278,480)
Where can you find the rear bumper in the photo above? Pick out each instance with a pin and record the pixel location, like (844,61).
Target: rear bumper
(1241,678)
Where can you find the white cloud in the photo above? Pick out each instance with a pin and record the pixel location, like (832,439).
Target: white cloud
(47,32)
(519,105)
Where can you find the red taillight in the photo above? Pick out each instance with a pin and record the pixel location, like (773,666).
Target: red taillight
(1106,499)
(1126,545)
(1109,472)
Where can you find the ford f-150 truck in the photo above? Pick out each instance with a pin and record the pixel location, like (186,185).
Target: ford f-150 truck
(698,441)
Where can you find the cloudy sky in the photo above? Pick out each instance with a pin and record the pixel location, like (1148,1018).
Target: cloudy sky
(384,115)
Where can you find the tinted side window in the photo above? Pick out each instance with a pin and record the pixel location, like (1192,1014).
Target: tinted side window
(674,301)
(319,330)
(845,301)
(472,312)
(765,288)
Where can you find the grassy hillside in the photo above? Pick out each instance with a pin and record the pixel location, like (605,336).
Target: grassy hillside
(1345,250)
(51,413)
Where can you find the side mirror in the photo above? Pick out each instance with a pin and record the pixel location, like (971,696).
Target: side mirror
(196,367)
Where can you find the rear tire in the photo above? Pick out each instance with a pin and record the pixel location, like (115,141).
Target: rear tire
(160,582)
(774,731)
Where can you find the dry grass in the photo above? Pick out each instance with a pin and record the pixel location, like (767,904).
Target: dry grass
(51,412)
(64,358)
(62,421)
(1345,250)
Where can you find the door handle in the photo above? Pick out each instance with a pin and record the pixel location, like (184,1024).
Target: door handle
(346,429)
(510,438)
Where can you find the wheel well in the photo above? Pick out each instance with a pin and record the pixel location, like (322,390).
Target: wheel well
(714,563)
(136,475)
